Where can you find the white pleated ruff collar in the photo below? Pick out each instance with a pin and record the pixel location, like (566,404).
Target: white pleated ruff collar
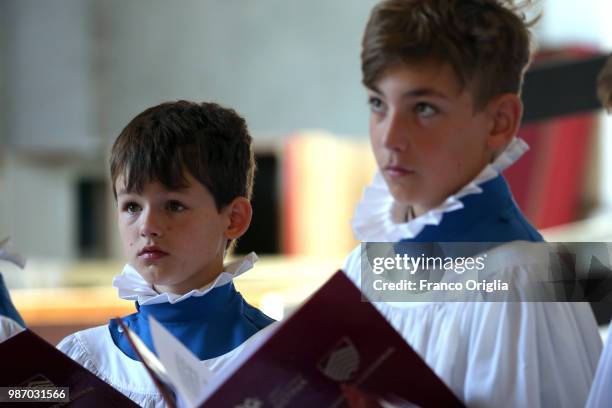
(131,286)
(377,217)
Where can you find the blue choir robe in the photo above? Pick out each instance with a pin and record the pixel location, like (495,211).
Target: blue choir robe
(209,326)
(7,308)
(215,324)
(491,216)
(11,321)
(515,354)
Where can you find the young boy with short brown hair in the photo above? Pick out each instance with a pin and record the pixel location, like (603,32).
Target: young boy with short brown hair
(182,175)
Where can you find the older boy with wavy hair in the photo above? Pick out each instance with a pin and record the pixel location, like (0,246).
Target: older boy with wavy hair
(444,80)
(182,175)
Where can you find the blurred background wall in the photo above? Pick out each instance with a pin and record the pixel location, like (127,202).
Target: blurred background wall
(74,72)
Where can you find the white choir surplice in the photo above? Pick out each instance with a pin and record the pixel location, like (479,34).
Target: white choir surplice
(504,354)
(601,391)
(95,348)
(8,328)
(11,321)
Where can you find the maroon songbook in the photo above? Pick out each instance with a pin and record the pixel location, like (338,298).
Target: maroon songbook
(28,361)
(334,340)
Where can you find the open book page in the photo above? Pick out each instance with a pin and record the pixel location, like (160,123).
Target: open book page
(153,365)
(245,352)
(186,372)
(180,369)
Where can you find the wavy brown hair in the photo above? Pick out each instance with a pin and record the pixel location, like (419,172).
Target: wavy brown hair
(486,42)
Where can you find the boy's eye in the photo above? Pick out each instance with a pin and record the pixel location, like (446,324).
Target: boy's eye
(131,208)
(175,206)
(376,104)
(425,110)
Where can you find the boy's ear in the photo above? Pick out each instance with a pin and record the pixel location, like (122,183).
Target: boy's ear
(239,212)
(506,112)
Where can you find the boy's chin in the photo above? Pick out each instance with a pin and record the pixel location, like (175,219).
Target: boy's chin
(403,196)
(152,274)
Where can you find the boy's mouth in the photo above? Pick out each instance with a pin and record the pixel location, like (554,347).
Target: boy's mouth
(152,252)
(397,171)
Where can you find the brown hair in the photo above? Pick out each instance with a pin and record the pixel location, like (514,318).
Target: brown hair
(604,85)
(486,42)
(207,140)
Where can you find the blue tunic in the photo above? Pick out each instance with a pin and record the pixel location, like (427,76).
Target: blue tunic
(209,325)
(491,216)
(486,220)
(6,305)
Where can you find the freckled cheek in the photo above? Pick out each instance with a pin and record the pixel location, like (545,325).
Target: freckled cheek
(128,234)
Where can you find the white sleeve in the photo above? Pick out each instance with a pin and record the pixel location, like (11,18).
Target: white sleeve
(8,328)
(531,354)
(515,354)
(352,266)
(71,346)
(601,392)
(93,349)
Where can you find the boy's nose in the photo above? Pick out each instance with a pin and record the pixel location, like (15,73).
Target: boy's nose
(151,225)
(395,133)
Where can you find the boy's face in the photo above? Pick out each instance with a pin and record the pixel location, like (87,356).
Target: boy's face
(426,137)
(175,239)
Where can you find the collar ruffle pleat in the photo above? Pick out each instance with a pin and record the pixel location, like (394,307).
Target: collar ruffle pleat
(378,218)
(131,286)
